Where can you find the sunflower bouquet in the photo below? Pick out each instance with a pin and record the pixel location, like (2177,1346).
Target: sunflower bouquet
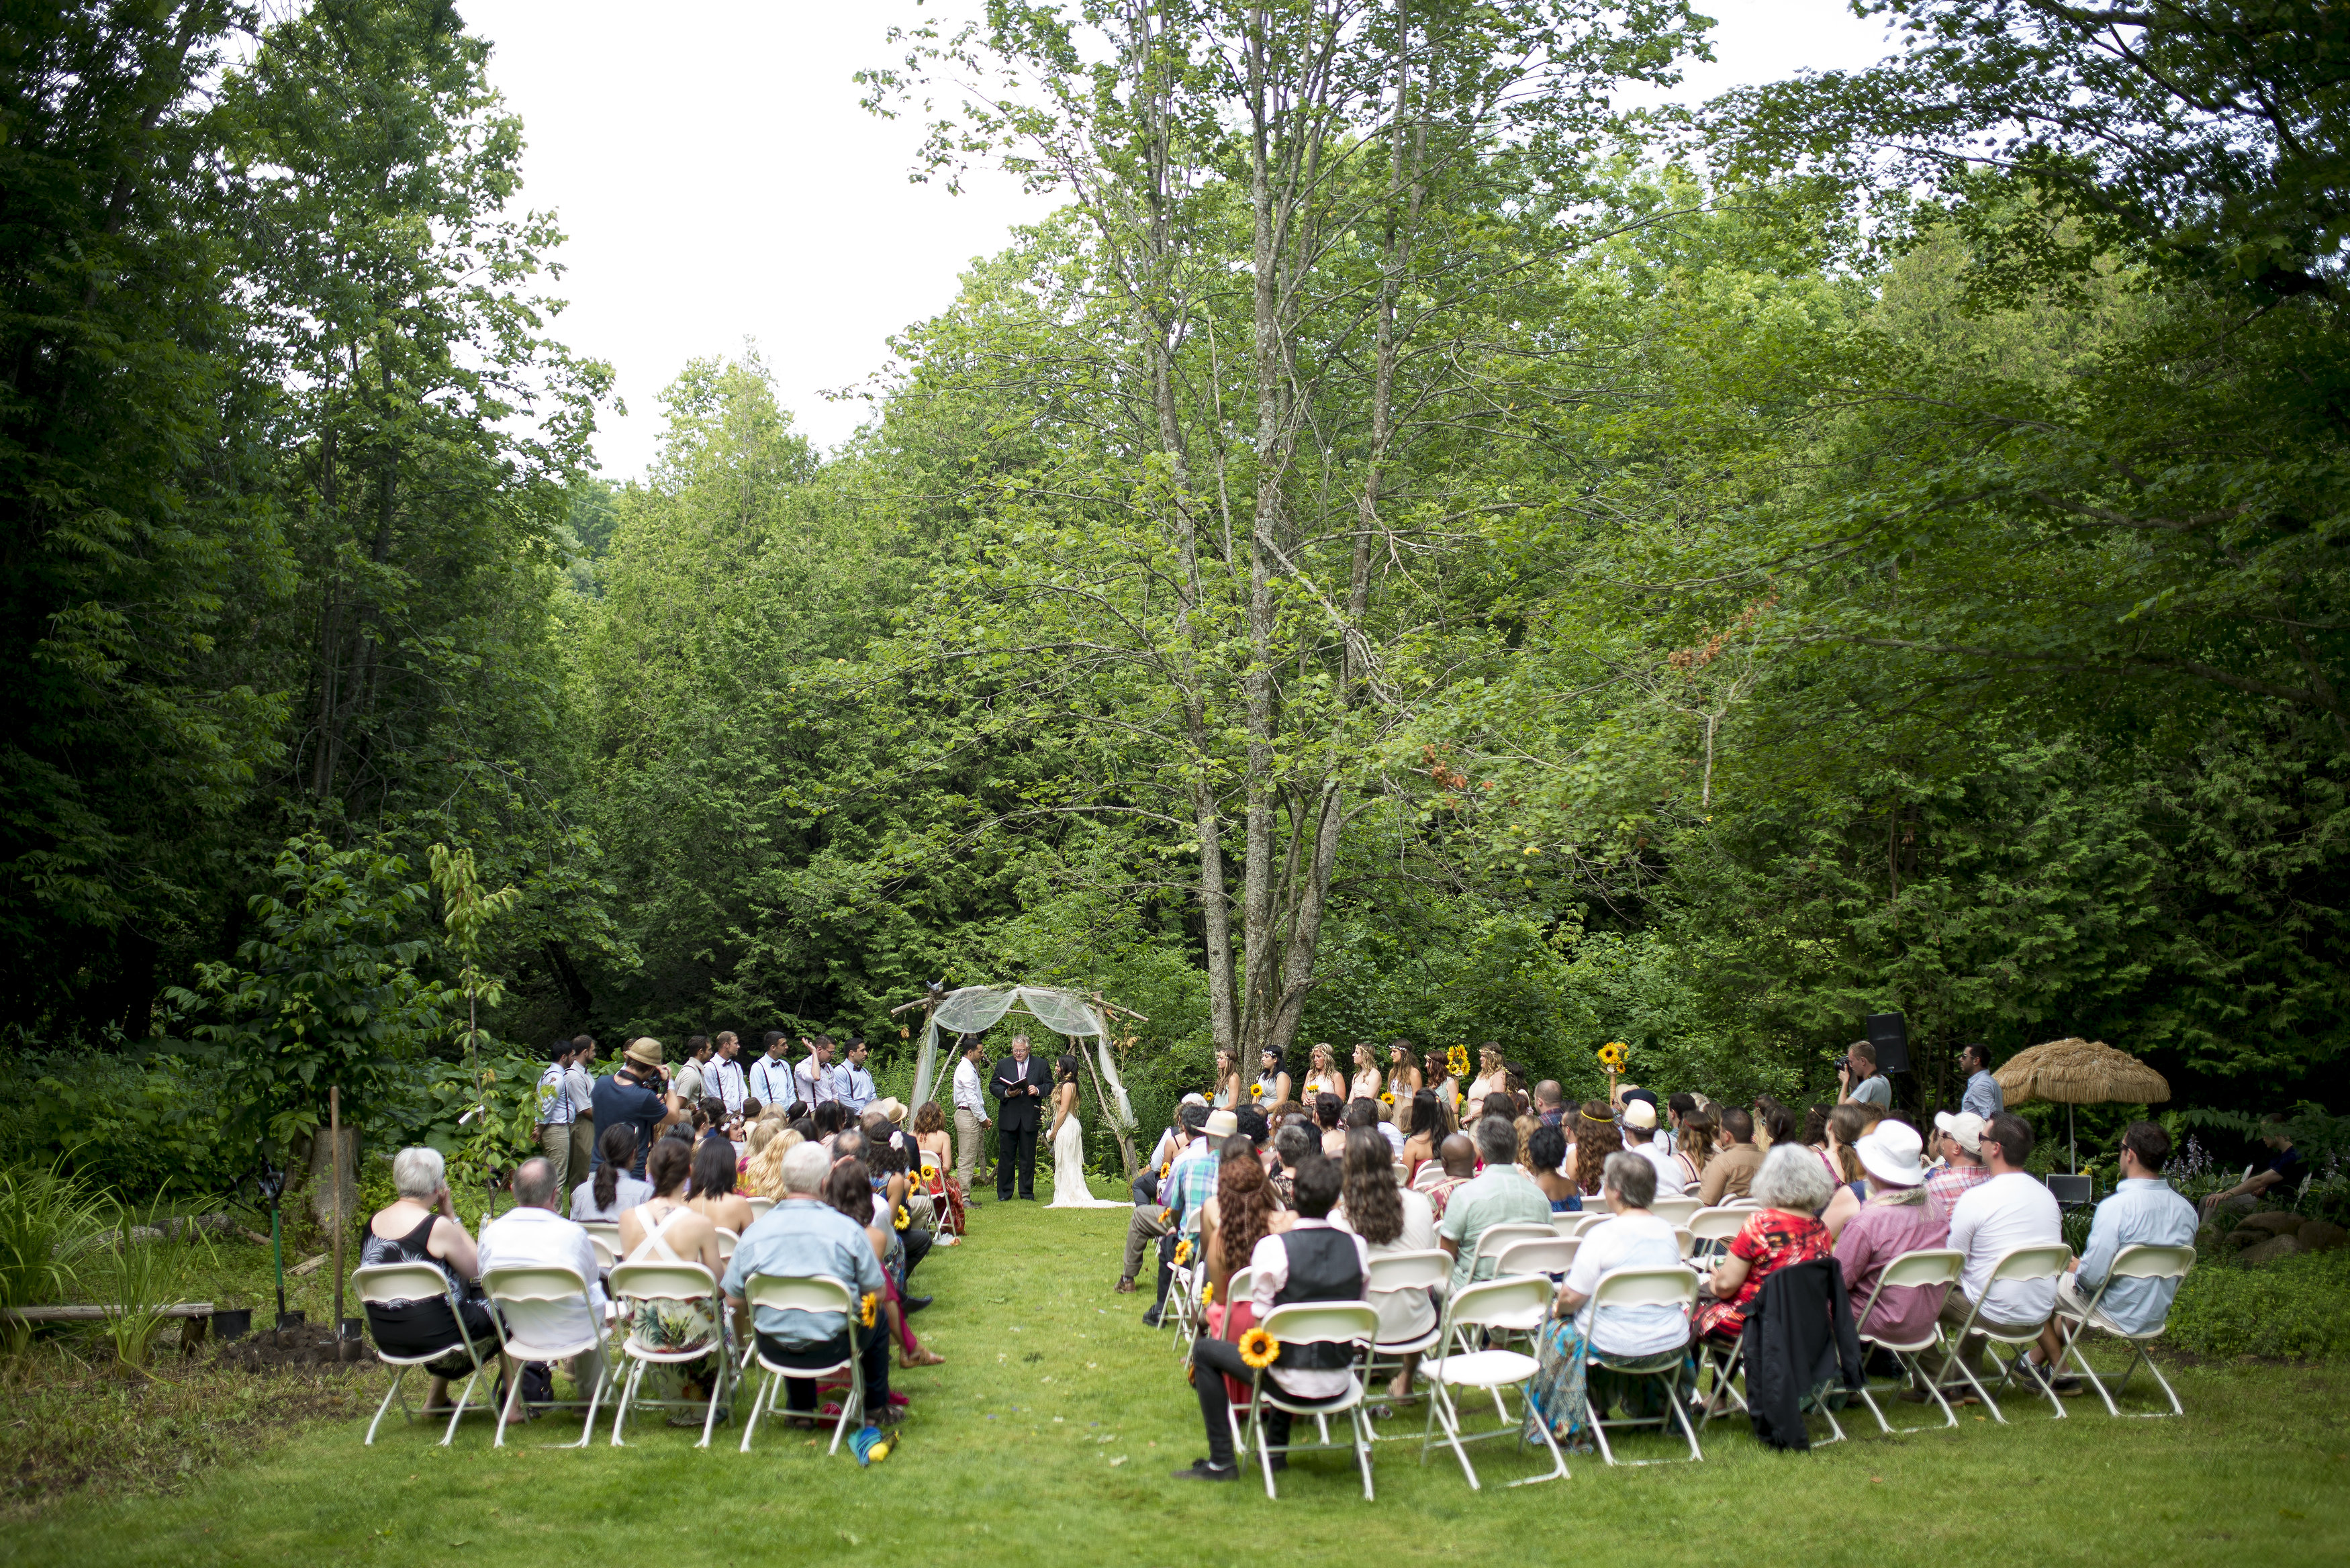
(1612,1055)
(1256,1091)
(1259,1349)
(1456,1061)
(1386,1096)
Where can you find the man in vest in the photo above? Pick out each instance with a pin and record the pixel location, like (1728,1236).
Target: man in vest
(1313,1260)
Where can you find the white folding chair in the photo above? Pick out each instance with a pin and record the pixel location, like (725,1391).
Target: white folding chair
(803,1292)
(1643,1287)
(1494,1240)
(2016,1265)
(1582,1224)
(2141,1262)
(1352,1324)
(1552,1255)
(1685,1241)
(1432,1172)
(727,1242)
(1183,1294)
(1925,1269)
(1395,1276)
(1510,1305)
(608,1252)
(1711,1229)
(534,1303)
(759,1207)
(390,1284)
(1675,1211)
(607,1231)
(687,1283)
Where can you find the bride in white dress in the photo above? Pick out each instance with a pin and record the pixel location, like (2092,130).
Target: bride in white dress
(1069,1190)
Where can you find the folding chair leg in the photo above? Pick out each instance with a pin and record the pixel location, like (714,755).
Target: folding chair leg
(854,1404)
(466,1394)
(1264,1448)
(1363,1447)
(628,1397)
(1557,1471)
(506,1410)
(397,1373)
(719,1381)
(601,1373)
(759,1401)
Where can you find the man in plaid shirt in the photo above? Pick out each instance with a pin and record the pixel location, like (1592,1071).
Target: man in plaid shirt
(1962,1165)
(1191,1182)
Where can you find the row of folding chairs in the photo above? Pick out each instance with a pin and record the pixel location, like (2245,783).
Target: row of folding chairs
(537,1309)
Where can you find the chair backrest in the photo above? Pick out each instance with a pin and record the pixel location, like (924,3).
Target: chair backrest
(663,1281)
(607,1252)
(611,1228)
(1238,1287)
(533,1282)
(2041,1262)
(1926,1266)
(1590,1220)
(1645,1287)
(1432,1172)
(759,1206)
(2146,1262)
(727,1242)
(799,1292)
(382,1282)
(1402,1173)
(1675,1211)
(1323,1323)
(1393,1272)
(930,1160)
(1718,1224)
(1684,1240)
(1518,1302)
(1553,1256)
(1496,1238)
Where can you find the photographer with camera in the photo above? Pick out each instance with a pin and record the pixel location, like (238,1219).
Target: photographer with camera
(636,1095)
(1860,1082)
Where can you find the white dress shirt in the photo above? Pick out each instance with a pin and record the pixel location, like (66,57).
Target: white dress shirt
(1271,1261)
(815,1084)
(538,1236)
(771,1081)
(725,1076)
(1671,1179)
(582,1090)
(970,1094)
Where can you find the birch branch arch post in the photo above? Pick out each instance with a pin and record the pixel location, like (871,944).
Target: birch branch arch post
(977,1008)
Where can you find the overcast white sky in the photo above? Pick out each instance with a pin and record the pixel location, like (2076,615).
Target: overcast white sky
(718,181)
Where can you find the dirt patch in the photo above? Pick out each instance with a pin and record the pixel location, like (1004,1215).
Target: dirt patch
(294,1348)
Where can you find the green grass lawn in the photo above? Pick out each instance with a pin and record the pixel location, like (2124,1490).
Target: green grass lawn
(1048,1435)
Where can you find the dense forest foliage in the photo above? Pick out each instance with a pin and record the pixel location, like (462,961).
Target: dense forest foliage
(1410,548)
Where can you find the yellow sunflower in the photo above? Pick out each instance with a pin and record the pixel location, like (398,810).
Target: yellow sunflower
(903,1219)
(1256,1091)
(1208,1293)
(865,1308)
(1182,1251)
(1386,1096)
(1259,1349)
(1456,1061)
(1612,1055)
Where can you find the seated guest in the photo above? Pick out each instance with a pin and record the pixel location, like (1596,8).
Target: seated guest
(420,1226)
(1311,1261)
(1896,1218)
(853,1188)
(1390,1218)
(2010,1209)
(1189,1185)
(1170,1144)
(1366,1114)
(1238,1217)
(1959,1140)
(533,1233)
(1844,1126)
(1792,1188)
(611,1190)
(1291,1145)
(1502,1194)
(804,1235)
(1642,1137)
(1148,1222)
(1550,1101)
(2143,1210)
(714,1197)
(1595,1138)
(1545,1153)
(1329,1110)
(1695,1138)
(1634,1239)
(1458,1157)
(1431,1124)
(829,1118)
(1731,1172)
(2282,1174)
(667,1229)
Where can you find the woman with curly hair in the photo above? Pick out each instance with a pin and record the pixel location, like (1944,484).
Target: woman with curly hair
(1390,1218)
(762,1176)
(1365,1084)
(1405,1080)
(1595,1138)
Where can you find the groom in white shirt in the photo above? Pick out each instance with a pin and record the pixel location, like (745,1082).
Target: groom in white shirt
(970,1116)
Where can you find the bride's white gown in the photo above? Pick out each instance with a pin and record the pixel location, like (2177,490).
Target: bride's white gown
(1069,1171)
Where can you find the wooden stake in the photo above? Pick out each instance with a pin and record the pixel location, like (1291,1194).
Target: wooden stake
(335,1174)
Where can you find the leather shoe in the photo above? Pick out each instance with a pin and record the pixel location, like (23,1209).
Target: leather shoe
(913,1304)
(1202,1471)
(1126,1287)
(1150,1318)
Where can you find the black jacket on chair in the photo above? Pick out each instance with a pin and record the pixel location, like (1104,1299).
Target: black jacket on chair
(1799,1335)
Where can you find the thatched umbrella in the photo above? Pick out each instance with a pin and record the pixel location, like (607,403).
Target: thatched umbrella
(2076,1072)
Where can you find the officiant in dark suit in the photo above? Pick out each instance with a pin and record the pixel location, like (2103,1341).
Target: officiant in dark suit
(1019,1085)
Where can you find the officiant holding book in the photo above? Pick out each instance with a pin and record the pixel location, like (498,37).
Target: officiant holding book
(1019,1083)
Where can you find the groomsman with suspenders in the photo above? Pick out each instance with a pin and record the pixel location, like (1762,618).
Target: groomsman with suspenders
(771,1075)
(725,1075)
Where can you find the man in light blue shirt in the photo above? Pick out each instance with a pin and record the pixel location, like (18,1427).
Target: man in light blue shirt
(804,1235)
(853,1082)
(2142,1212)
(1984,1097)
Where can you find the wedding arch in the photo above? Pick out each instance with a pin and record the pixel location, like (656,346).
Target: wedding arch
(974,1009)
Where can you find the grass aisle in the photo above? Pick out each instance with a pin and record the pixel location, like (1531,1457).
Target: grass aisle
(1047,1438)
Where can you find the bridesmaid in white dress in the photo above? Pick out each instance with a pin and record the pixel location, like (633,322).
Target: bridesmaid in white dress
(1322,1075)
(1069,1136)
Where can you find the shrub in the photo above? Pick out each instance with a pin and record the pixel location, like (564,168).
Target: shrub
(2296,1309)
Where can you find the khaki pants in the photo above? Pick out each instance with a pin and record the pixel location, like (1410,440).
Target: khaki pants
(583,1158)
(966,1147)
(555,1143)
(1143,1228)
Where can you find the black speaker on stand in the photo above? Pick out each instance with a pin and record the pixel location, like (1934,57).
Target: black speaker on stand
(1889,1036)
